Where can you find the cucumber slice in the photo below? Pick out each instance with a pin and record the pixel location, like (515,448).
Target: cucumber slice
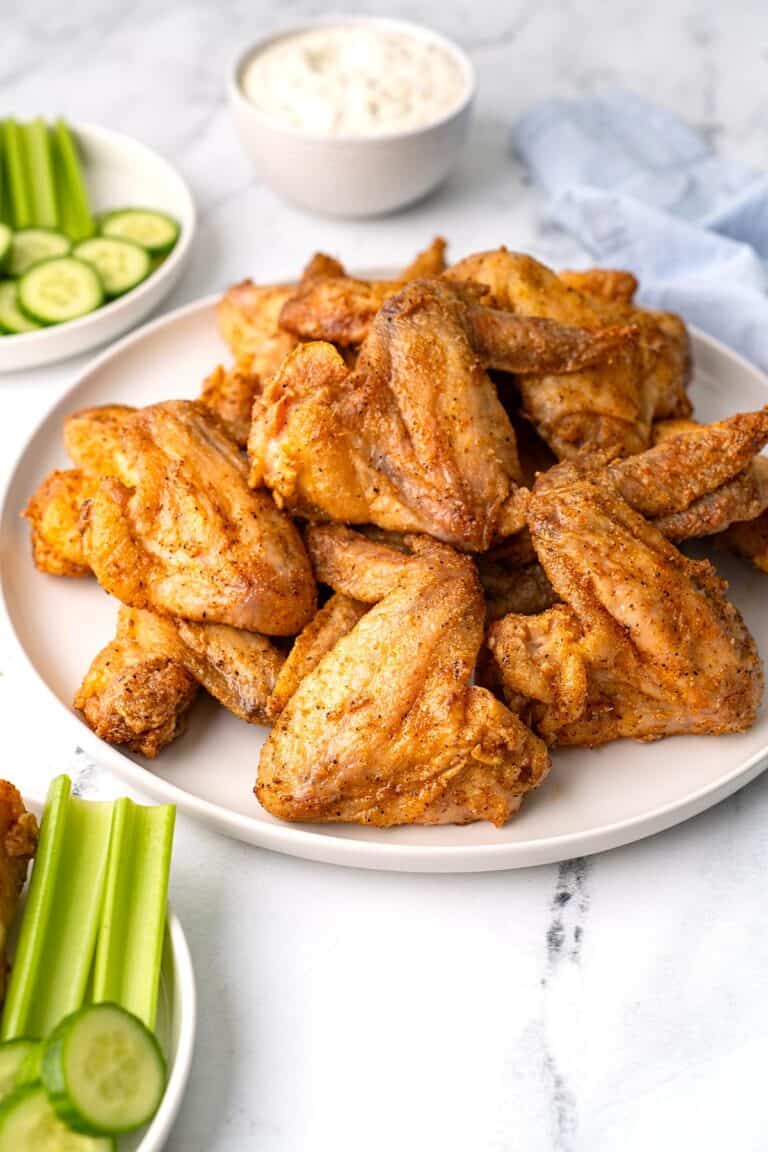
(121,264)
(103,1071)
(5,245)
(13,1055)
(29,245)
(30,1069)
(155,231)
(28,1123)
(12,319)
(61,289)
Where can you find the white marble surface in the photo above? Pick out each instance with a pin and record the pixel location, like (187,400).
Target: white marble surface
(618,1002)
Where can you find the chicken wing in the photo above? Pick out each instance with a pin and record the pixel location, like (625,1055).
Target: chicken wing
(18,842)
(137,690)
(229,393)
(92,437)
(608,406)
(646,644)
(388,729)
(179,531)
(248,320)
(414,439)
(240,669)
(54,513)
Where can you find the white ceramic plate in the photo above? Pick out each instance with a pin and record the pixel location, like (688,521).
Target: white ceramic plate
(119,172)
(176,1017)
(591,801)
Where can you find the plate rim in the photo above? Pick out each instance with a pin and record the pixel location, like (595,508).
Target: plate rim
(184,1016)
(326,847)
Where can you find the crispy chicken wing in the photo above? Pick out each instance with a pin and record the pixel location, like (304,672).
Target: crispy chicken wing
(607,406)
(229,393)
(646,644)
(387,728)
(54,513)
(247,316)
(415,437)
(240,669)
(18,842)
(748,539)
(92,437)
(137,690)
(179,531)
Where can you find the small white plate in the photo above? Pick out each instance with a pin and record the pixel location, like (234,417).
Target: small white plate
(176,1019)
(591,801)
(119,173)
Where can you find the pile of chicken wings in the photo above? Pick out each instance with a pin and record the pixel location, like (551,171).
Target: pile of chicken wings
(427,529)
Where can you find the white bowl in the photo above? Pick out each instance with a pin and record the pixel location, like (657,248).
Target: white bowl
(119,172)
(352,175)
(176,1023)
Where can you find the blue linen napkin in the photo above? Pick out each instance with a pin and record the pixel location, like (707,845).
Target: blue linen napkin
(643,191)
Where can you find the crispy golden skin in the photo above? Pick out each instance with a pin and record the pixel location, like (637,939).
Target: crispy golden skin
(137,691)
(229,393)
(646,644)
(749,540)
(247,316)
(54,513)
(415,437)
(240,669)
(92,437)
(335,619)
(610,406)
(606,283)
(179,531)
(352,564)
(695,481)
(387,728)
(18,842)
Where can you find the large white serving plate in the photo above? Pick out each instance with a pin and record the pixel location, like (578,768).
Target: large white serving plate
(119,172)
(591,801)
(175,1027)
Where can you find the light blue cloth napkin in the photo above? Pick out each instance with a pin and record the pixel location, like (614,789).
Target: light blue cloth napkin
(641,190)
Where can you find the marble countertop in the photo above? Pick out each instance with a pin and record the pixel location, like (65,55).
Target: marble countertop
(613,1002)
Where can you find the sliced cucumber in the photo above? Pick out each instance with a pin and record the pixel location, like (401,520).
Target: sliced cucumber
(5,245)
(29,245)
(13,1054)
(28,1123)
(12,319)
(61,289)
(153,230)
(121,264)
(30,1069)
(103,1070)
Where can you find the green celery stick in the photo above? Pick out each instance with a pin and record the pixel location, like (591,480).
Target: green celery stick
(5,217)
(37,146)
(18,183)
(58,932)
(73,198)
(130,945)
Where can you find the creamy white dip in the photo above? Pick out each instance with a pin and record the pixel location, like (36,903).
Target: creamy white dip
(354,80)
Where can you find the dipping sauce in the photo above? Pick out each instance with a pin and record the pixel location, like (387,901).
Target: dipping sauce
(354,80)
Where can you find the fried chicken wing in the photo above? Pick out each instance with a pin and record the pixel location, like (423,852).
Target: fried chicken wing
(92,437)
(604,283)
(415,437)
(335,619)
(608,406)
(54,513)
(247,317)
(137,690)
(646,644)
(179,531)
(240,669)
(387,728)
(748,539)
(229,393)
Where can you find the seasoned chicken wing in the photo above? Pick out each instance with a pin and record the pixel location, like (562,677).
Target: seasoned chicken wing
(240,669)
(748,539)
(388,729)
(415,437)
(18,842)
(608,406)
(179,531)
(92,437)
(137,690)
(54,513)
(229,393)
(646,644)
(247,316)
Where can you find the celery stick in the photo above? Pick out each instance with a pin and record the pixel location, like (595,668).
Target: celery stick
(18,183)
(73,198)
(37,145)
(61,919)
(5,217)
(130,945)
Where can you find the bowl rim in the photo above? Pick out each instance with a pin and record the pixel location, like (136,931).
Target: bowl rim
(95,134)
(410,27)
